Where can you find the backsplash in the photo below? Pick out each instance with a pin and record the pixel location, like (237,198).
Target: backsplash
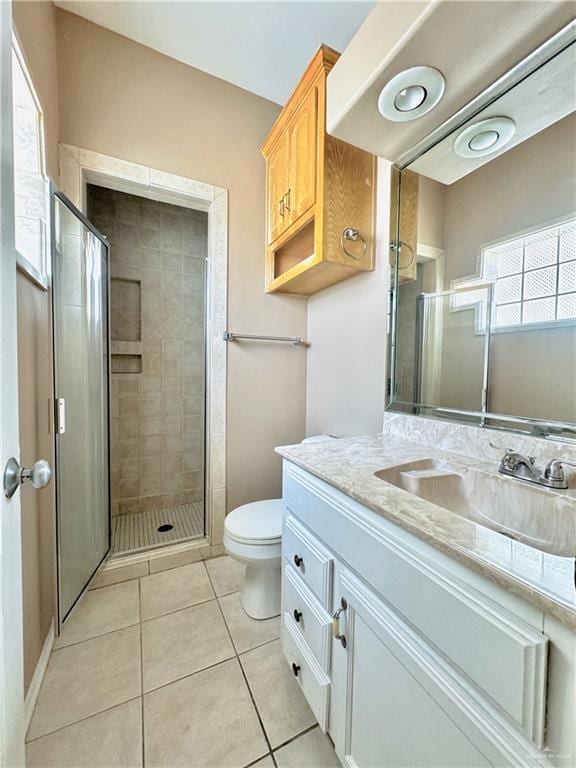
(475,441)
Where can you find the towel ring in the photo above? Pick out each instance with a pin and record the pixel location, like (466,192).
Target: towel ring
(396,247)
(349,233)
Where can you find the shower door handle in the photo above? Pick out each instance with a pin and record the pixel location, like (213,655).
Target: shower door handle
(60,416)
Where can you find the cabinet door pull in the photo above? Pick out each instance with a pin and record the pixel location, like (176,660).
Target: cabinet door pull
(298,561)
(281,206)
(295,669)
(336,623)
(287,199)
(297,615)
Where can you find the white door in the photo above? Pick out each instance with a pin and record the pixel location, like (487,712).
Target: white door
(11,665)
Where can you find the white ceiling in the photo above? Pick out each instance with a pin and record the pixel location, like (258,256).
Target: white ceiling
(261,46)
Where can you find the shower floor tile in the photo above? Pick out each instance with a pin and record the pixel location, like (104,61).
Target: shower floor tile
(139,531)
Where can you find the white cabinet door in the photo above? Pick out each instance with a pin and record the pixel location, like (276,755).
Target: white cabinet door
(391,716)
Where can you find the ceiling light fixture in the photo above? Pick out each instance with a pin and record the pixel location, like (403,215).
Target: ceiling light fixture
(411,94)
(485,137)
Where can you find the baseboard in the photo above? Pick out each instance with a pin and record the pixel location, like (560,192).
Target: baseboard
(37,678)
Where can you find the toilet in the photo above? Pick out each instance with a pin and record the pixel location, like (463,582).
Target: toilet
(253,537)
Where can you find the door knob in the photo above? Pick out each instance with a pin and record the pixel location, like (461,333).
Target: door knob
(38,475)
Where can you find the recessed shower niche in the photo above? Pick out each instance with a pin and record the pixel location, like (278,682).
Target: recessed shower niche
(125,325)
(157,394)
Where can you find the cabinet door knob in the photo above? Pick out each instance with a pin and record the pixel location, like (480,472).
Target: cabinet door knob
(295,669)
(298,561)
(297,615)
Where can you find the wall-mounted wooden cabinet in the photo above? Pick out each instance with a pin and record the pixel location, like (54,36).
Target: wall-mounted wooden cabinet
(317,186)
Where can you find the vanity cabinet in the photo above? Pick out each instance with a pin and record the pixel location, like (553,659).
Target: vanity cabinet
(316,187)
(426,662)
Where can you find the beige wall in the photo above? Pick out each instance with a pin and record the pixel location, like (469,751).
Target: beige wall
(35,25)
(35,387)
(123,99)
(347,332)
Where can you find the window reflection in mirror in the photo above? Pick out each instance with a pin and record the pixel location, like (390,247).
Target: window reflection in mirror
(486,311)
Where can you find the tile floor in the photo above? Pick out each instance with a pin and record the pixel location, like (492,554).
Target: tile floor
(139,531)
(167,670)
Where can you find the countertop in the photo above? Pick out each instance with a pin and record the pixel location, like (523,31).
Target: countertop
(348,464)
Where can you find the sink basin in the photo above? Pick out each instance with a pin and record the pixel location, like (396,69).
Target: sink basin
(535,516)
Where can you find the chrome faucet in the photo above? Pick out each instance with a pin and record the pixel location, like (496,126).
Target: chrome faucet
(522,467)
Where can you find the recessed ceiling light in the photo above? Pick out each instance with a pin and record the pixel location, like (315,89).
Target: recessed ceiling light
(411,94)
(485,137)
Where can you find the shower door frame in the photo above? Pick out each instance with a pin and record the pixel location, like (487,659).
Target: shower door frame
(55,194)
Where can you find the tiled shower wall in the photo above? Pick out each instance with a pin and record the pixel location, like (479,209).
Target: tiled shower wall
(158,254)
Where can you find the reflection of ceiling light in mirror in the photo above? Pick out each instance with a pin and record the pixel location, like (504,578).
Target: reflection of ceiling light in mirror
(485,137)
(411,94)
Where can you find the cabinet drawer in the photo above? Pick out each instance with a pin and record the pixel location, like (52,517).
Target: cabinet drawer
(312,679)
(306,615)
(309,558)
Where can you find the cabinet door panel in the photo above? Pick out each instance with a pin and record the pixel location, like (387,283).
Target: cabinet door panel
(303,130)
(393,717)
(278,181)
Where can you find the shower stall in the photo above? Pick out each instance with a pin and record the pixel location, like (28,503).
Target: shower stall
(158,367)
(129,325)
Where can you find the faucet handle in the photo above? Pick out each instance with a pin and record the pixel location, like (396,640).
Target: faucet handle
(507,451)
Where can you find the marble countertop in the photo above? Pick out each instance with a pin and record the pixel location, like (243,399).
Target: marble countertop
(348,464)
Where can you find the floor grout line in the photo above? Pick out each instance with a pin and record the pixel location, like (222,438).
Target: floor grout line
(94,637)
(246,682)
(82,719)
(296,737)
(141,675)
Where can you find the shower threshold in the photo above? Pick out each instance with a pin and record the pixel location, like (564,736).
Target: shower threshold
(156,528)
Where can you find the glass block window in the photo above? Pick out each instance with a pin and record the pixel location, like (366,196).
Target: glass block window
(534,278)
(30,182)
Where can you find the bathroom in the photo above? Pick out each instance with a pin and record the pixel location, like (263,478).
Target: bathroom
(288,384)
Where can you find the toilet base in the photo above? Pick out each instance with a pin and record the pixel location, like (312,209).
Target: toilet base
(260,596)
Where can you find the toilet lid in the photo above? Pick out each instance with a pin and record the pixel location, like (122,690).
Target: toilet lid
(258,523)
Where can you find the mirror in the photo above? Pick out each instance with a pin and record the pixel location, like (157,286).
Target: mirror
(483,249)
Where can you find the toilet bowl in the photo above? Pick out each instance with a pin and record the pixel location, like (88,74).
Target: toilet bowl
(253,537)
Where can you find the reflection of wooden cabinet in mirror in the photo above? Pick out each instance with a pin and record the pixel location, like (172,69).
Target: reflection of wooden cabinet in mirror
(317,186)
(404,224)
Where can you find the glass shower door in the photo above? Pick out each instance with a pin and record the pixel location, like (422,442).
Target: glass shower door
(80,318)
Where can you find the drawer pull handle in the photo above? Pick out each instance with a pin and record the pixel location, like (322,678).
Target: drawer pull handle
(297,615)
(298,561)
(295,669)
(336,623)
